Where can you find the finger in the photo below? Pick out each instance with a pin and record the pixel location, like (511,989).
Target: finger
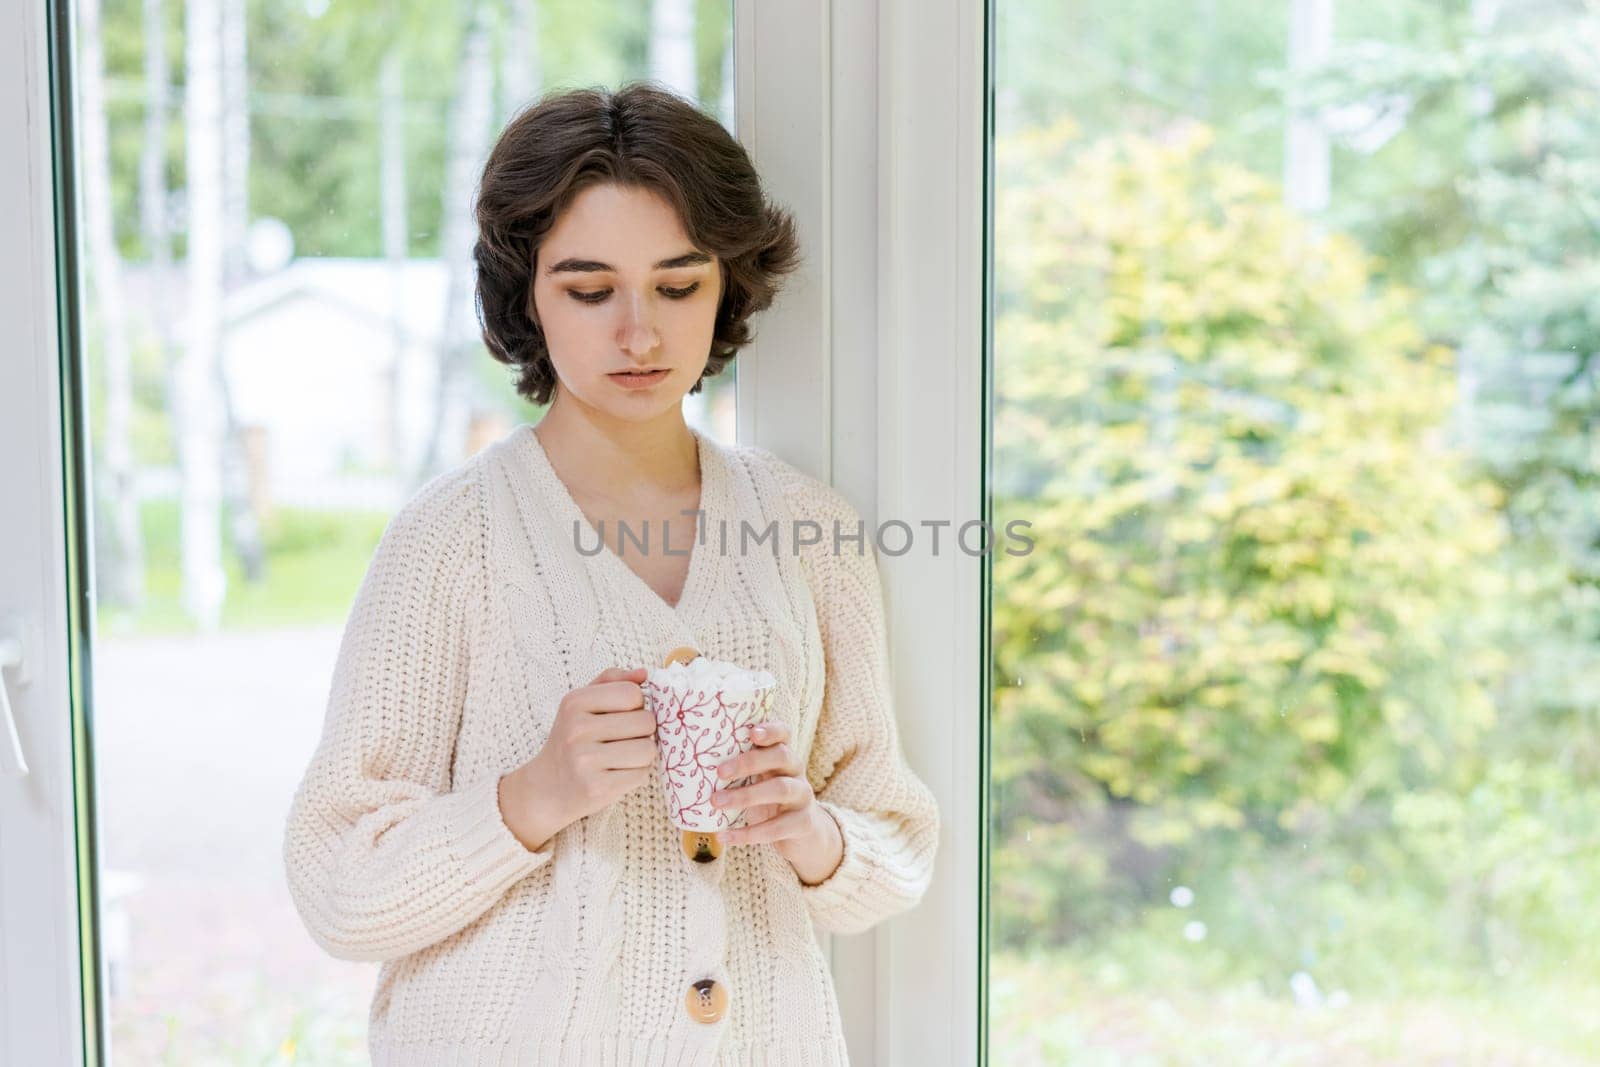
(761,813)
(769,733)
(785,791)
(619,674)
(620,725)
(610,696)
(629,754)
(776,758)
(790,824)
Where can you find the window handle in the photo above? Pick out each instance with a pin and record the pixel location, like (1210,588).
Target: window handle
(11,762)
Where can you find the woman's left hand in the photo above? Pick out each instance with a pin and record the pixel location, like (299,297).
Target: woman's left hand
(779,806)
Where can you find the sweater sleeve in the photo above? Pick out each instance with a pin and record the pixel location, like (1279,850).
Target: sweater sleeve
(887,816)
(383,856)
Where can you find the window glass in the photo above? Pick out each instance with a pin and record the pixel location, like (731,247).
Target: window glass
(281,346)
(1294,700)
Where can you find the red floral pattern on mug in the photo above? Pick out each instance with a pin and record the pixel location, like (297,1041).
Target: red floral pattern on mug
(698,729)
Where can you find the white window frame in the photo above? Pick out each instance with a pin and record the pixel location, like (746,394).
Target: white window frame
(41,989)
(869,122)
(866,120)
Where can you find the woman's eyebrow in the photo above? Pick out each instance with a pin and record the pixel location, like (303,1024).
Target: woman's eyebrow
(688,259)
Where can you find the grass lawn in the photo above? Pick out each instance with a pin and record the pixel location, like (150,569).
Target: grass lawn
(315,561)
(1092,1012)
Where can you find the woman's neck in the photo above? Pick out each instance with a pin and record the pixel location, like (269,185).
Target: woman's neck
(625,461)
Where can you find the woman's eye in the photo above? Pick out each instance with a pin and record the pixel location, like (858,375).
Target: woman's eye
(600,294)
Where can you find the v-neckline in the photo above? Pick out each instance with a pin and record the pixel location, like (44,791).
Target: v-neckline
(710,507)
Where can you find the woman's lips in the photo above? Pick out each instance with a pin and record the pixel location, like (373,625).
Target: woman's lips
(639,381)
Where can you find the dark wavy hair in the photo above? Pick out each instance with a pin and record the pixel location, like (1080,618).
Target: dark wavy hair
(640,135)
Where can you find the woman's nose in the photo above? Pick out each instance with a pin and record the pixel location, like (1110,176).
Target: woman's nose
(638,325)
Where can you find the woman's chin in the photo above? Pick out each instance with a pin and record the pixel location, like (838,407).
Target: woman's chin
(636,405)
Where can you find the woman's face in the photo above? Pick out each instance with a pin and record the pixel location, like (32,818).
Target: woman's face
(619,286)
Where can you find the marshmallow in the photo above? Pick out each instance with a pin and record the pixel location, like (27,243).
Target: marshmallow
(704,672)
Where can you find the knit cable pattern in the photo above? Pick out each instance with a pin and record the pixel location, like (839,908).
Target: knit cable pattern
(476,615)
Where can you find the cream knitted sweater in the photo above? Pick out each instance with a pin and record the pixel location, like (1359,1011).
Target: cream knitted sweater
(476,615)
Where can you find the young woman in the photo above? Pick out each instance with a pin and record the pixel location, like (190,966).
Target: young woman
(483,813)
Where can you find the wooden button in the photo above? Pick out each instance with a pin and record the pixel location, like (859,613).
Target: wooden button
(707,1001)
(702,846)
(681,655)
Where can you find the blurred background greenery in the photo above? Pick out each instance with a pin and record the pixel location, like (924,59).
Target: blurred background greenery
(1294,706)
(280,347)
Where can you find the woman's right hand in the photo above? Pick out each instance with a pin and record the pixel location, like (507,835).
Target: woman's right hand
(601,746)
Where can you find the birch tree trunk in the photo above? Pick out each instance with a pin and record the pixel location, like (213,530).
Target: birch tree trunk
(522,73)
(235,136)
(392,205)
(122,569)
(236,141)
(1469,355)
(672,46)
(196,409)
(153,194)
(726,102)
(1306,177)
(468,144)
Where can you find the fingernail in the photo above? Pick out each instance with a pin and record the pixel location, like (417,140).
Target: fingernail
(759,731)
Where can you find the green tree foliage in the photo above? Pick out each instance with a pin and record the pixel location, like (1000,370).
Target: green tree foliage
(314,102)
(1491,200)
(1256,601)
